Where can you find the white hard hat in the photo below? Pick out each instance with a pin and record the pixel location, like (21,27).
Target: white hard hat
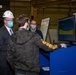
(8,14)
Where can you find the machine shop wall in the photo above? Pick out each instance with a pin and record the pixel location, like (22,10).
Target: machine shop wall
(55,9)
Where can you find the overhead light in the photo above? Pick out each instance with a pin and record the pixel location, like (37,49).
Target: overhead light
(0,6)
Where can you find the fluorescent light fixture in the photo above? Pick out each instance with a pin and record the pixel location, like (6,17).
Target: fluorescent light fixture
(0,6)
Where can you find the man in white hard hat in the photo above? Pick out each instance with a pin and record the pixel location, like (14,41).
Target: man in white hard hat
(5,32)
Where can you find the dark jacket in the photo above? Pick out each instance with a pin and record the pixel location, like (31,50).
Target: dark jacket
(23,52)
(39,32)
(4,36)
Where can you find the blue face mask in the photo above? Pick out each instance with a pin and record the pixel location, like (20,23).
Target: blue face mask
(10,24)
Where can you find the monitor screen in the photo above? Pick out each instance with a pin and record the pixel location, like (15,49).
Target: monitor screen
(67,29)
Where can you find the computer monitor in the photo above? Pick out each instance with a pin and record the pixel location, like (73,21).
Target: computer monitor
(67,29)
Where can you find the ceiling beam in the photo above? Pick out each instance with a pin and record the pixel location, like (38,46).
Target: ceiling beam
(20,0)
(61,7)
(53,3)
